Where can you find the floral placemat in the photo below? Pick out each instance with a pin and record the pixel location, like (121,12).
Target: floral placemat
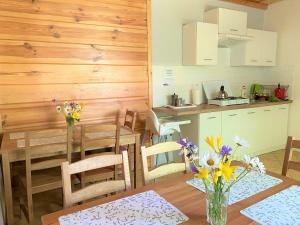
(147,208)
(251,184)
(282,208)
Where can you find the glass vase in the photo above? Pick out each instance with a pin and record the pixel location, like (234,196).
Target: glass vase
(216,207)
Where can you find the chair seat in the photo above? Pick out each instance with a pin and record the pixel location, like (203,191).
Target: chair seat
(44,180)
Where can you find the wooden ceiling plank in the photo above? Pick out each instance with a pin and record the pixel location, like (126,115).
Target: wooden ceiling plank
(254,4)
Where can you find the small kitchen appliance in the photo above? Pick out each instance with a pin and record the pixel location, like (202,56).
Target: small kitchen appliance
(220,93)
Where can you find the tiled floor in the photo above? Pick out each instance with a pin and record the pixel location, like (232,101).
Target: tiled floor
(50,201)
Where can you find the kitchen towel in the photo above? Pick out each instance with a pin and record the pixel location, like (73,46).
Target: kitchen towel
(282,208)
(147,208)
(251,184)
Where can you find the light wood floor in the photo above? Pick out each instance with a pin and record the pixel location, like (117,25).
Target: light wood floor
(47,202)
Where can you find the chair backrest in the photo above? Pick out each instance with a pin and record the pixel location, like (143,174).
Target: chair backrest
(288,163)
(44,145)
(97,189)
(152,122)
(165,169)
(130,119)
(100,136)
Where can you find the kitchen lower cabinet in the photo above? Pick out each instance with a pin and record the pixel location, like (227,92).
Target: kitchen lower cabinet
(210,124)
(265,128)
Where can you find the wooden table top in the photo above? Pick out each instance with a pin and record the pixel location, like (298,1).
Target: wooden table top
(205,108)
(186,198)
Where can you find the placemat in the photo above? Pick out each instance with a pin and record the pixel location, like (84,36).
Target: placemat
(251,184)
(282,208)
(147,208)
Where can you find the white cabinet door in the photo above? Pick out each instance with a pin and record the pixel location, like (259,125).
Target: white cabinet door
(210,124)
(253,48)
(200,44)
(253,130)
(280,126)
(233,124)
(269,48)
(267,128)
(207,44)
(229,21)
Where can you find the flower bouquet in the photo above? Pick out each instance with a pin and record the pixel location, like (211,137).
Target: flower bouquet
(217,173)
(71,111)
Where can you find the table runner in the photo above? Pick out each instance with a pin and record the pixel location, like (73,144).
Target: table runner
(282,208)
(147,208)
(251,184)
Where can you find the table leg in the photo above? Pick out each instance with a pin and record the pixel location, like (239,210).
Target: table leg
(7,188)
(137,151)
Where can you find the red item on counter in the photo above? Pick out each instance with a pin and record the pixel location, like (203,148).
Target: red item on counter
(280,92)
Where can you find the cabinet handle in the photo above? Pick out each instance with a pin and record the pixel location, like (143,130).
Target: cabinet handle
(267,110)
(282,108)
(234,30)
(253,60)
(269,61)
(251,112)
(208,59)
(233,115)
(212,117)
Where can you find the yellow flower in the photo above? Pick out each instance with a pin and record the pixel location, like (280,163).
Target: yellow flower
(82,106)
(76,115)
(211,142)
(203,173)
(227,171)
(216,176)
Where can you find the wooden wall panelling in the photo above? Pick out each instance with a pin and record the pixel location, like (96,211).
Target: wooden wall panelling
(49,31)
(92,51)
(107,13)
(58,53)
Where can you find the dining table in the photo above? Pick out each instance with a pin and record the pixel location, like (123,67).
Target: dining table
(189,200)
(13,150)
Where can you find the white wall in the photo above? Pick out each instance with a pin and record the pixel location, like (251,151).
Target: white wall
(284,17)
(167,19)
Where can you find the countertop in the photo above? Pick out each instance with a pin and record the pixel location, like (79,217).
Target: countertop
(205,108)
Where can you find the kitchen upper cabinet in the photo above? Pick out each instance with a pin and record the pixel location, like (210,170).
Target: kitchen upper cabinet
(269,48)
(248,53)
(200,44)
(260,51)
(229,21)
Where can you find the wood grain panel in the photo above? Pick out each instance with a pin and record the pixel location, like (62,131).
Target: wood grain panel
(34,93)
(70,74)
(57,53)
(80,11)
(49,31)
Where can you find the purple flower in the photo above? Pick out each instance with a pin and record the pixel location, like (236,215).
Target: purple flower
(187,144)
(194,169)
(225,150)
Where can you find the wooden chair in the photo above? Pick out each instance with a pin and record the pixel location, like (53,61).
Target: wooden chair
(288,163)
(165,169)
(97,137)
(97,189)
(44,152)
(130,119)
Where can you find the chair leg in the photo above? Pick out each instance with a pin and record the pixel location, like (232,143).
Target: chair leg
(30,208)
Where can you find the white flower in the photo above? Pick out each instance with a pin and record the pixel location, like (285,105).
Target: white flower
(255,163)
(210,160)
(58,108)
(241,142)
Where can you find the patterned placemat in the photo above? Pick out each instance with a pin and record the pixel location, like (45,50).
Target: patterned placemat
(147,208)
(282,208)
(251,184)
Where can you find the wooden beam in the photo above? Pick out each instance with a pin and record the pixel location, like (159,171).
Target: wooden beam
(254,4)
